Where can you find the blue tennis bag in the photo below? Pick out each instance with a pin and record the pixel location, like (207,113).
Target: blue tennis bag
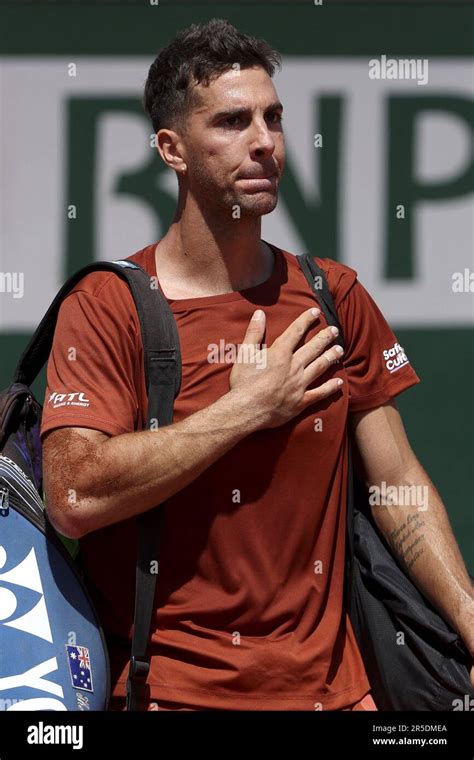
(52,650)
(53,654)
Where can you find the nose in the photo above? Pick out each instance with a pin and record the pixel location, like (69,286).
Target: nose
(263,144)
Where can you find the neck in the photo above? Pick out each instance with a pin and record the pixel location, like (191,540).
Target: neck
(212,254)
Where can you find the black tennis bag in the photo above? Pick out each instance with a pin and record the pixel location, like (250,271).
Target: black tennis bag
(53,654)
(413,659)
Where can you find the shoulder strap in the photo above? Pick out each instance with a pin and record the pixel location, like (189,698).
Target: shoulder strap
(160,336)
(319,285)
(162,367)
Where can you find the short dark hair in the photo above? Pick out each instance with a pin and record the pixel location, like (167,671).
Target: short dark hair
(198,54)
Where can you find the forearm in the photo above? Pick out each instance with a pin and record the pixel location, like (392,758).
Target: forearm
(136,471)
(419,532)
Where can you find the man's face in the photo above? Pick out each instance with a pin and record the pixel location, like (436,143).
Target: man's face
(233,141)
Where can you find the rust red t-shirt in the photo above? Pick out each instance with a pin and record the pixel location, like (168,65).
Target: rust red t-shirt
(249,611)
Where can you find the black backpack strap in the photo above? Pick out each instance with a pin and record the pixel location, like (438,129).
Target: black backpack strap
(319,285)
(37,351)
(161,345)
(163,362)
(162,367)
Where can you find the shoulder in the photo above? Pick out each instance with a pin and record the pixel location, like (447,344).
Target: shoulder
(340,277)
(103,298)
(105,284)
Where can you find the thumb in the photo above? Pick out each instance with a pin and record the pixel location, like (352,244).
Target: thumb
(256,328)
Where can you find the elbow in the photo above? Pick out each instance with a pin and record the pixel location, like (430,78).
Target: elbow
(68,510)
(69,521)
(68,477)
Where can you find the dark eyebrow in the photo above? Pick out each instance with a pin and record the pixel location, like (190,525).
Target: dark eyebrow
(244,111)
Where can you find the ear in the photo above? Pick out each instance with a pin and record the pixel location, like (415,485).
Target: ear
(170,148)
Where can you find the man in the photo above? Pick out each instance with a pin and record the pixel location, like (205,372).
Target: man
(249,606)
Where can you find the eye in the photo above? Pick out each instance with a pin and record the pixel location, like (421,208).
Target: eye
(231,121)
(278,117)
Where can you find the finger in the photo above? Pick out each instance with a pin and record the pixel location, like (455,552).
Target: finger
(316,345)
(298,328)
(322,392)
(256,328)
(320,365)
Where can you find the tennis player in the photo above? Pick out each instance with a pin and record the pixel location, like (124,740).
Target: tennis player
(252,473)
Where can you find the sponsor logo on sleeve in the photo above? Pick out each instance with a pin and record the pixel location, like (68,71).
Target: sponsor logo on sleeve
(68,399)
(395,358)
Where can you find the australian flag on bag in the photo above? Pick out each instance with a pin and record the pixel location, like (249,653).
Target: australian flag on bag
(80,667)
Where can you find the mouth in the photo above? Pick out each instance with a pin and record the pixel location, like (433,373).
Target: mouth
(264,182)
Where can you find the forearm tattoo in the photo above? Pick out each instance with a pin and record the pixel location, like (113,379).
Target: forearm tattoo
(408,540)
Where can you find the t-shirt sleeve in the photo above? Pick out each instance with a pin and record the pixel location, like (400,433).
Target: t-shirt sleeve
(376,365)
(91,367)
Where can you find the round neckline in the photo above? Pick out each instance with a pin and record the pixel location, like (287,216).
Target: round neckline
(253,293)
